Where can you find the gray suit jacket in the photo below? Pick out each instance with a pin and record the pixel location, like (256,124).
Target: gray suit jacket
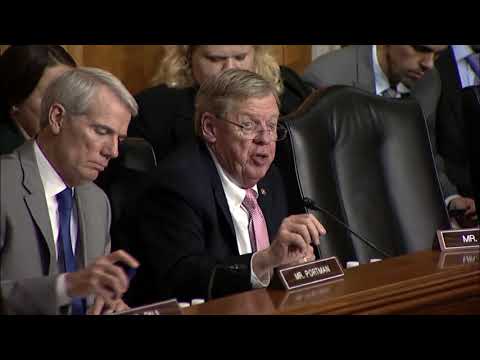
(27,251)
(353,66)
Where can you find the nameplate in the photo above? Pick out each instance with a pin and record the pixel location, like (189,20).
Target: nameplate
(314,272)
(463,239)
(453,259)
(168,307)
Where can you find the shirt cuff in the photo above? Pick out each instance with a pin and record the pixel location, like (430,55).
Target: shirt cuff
(450,198)
(61,290)
(255,281)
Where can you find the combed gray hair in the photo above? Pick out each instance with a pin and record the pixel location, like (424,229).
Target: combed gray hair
(220,94)
(76,88)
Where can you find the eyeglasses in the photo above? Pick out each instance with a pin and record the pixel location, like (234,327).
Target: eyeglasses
(251,130)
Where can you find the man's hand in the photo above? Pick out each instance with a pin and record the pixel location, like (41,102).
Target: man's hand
(463,203)
(99,307)
(292,244)
(102,278)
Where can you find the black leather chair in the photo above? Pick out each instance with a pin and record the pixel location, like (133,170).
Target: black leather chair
(367,160)
(471,112)
(122,181)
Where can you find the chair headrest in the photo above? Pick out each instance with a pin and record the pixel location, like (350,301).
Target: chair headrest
(137,154)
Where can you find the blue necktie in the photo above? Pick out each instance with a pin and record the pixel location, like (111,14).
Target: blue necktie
(66,258)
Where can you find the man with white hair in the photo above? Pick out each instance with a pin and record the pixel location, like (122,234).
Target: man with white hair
(214,219)
(54,222)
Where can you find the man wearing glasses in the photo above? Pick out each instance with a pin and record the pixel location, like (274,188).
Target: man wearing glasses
(396,71)
(214,222)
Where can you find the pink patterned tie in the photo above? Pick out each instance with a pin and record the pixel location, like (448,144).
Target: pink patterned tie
(257,228)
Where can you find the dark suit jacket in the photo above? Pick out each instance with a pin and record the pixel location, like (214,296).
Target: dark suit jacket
(10,136)
(165,115)
(28,264)
(353,66)
(451,127)
(183,229)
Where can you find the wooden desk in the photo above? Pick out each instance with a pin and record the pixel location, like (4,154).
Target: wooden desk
(420,283)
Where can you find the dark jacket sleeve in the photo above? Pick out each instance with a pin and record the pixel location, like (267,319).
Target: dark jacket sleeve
(165,118)
(295,90)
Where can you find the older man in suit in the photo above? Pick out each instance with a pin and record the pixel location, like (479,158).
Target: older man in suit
(394,71)
(54,222)
(213,220)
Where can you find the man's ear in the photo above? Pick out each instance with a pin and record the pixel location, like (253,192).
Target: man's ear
(56,117)
(208,127)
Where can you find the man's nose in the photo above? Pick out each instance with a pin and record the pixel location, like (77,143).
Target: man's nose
(110,149)
(229,63)
(264,136)
(428,61)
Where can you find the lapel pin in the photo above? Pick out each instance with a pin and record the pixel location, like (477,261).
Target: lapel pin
(263,191)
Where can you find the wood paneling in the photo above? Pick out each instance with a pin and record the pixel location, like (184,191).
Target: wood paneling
(296,57)
(135,65)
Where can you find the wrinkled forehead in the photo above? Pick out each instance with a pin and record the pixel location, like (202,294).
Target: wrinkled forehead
(265,107)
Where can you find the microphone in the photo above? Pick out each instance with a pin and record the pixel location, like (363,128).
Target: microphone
(310,204)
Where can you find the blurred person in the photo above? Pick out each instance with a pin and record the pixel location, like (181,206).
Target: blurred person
(458,68)
(25,73)
(166,110)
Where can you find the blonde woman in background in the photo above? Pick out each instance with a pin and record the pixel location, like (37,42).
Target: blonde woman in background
(166,110)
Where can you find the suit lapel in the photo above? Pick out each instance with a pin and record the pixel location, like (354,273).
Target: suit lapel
(35,200)
(219,193)
(365,78)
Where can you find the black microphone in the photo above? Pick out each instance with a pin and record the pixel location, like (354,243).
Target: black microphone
(310,204)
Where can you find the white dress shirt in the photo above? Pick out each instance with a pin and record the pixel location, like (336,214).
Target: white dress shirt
(235,196)
(52,185)
(467,75)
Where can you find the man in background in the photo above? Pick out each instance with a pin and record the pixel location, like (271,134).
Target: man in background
(459,67)
(396,71)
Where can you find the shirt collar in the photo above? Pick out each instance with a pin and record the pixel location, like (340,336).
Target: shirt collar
(52,182)
(234,193)
(381,81)
(461,51)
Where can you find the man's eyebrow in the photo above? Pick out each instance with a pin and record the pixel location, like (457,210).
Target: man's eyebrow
(104,127)
(422,48)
